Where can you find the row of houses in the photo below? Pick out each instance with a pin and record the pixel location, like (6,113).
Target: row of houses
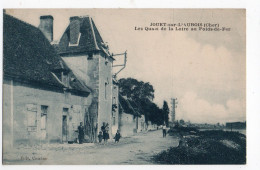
(49,88)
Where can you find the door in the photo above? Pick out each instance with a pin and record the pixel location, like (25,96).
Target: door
(44,111)
(64,128)
(65,114)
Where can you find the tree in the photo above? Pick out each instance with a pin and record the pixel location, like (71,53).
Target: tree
(166,113)
(155,114)
(142,95)
(136,90)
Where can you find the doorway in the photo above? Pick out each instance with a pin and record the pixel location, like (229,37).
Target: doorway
(65,125)
(44,111)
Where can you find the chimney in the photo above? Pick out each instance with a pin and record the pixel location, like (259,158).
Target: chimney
(74,29)
(46,26)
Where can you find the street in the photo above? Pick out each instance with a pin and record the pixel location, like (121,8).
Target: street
(136,149)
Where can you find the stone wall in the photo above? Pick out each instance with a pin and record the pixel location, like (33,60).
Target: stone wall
(127,124)
(115,120)
(7,115)
(141,124)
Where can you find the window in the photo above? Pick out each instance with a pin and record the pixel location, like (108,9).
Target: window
(114,100)
(114,120)
(106,90)
(44,110)
(74,42)
(31,112)
(106,83)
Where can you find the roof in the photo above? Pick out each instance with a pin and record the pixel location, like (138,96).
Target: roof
(128,106)
(90,39)
(28,55)
(79,87)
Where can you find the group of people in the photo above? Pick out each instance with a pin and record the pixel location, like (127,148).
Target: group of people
(103,134)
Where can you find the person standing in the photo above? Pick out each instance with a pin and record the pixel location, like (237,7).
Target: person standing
(81,133)
(164,130)
(103,130)
(106,133)
(100,137)
(117,137)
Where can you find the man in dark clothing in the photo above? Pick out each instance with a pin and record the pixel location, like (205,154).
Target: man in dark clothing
(164,130)
(103,130)
(81,133)
(100,137)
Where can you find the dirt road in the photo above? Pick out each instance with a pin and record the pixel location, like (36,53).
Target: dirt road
(137,149)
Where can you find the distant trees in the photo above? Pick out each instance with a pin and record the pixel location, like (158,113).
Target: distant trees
(166,113)
(142,94)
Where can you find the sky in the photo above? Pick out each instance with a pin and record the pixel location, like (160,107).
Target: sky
(205,71)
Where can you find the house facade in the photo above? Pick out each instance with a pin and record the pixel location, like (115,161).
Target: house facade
(82,48)
(43,101)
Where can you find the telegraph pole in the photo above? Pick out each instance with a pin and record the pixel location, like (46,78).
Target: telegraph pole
(173,112)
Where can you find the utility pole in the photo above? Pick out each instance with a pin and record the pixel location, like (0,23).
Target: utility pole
(173,112)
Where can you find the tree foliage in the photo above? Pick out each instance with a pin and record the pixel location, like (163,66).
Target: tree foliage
(136,90)
(155,114)
(141,94)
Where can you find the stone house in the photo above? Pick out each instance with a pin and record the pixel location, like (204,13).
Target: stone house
(43,100)
(83,50)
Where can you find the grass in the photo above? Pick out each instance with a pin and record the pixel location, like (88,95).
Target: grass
(206,147)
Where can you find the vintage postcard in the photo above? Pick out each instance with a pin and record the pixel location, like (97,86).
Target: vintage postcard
(124,87)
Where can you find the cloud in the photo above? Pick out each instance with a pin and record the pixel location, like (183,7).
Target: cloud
(180,65)
(199,110)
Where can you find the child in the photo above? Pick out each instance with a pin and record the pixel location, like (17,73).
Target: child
(117,137)
(100,137)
